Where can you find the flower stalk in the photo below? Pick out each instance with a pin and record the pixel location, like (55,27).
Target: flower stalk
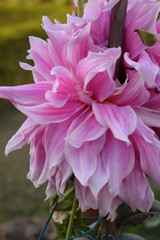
(116,35)
(116,39)
(80,8)
(71,220)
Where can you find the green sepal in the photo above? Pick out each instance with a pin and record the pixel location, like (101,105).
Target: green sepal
(149,39)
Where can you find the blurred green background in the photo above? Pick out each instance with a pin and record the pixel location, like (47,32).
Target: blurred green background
(18,20)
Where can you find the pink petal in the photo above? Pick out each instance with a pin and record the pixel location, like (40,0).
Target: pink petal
(96,72)
(63,87)
(85,197)
(57,100)
(46,113)
(118,161)
(149,149)
(145,67)
(54,46)
(121,120)
(154,50)
(140,15)
(94,7)
(104,201)
(99,178)
(153,102)
(39,46)
(158,26)
(149,116)
(26,66)
(40,55)
(134,188)
(146,133)
(37,158)
(54,135)
(76,3)
(114,205)
(148,200)
(83,160)
(83,129)
(132,93)
(29,94)
(99,28)
(54,142)
(42,67)
(74,53)
(58,37)
(98,62)
(58,180)
(23,136)
(64,81)
(101,85)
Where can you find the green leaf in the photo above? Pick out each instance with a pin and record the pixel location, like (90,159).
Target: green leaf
(155,207)
(147,38)
(81,238)
(136,218)
(125,216)
(153,222)
(131,236)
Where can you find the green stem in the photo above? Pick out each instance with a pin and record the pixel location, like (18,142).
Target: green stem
(78,221)
(80,8)
(71,220)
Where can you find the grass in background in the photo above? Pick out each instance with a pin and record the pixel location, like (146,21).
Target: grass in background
(17,22)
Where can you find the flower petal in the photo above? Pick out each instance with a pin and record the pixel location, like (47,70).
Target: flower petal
(153,102)
(149,149)
(96,73)
(94,7)
(54,135)
(83,129)
(59,179)
(133,189)
(149,116)
(147,69)
(42,60)
(83,160)
(140,15)
(57,100)
(85,197)
(74,53)
(118,161)
(23,136)
(99,178)
(148,200)
(29,94)
(132,93)
(121,120)
(37,158)
(46,113)
(104,201)
(58,35)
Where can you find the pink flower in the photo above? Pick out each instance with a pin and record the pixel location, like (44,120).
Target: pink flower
(80,121)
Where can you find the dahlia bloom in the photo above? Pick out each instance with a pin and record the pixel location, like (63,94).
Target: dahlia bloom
(82,122)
